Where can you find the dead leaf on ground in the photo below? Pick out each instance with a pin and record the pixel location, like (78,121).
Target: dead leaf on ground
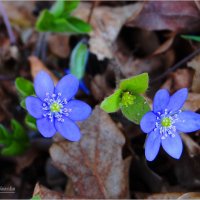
(95,164)
(181,78)
(59,45)
(37,65)
(20,12)
(195,64)
(193,102)
(168,15)
(45,193)
(107,23)
(190,195)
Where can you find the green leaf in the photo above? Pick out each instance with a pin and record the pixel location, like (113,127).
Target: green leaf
(14,143)
(36,197)
(48,22)
(63,8)
(136,111)
(78,60)
(24,87)
(23,104)
(136,84)
(79,25)
(45,21)
(30,122)
(191,37)
(111,103)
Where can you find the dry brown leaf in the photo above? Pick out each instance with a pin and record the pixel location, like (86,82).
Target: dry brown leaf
(190,195)
(45,193)
(167,195)
(165,46)
(59,45)
(37,65)
(168,15)
(195,64)
(107,23)
(95,164)
(20,12)
(193,102)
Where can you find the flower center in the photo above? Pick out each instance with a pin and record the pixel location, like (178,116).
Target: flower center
(166,122)
(54,107)
(127,99)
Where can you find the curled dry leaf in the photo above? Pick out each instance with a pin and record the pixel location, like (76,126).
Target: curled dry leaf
(195,64)
(37,65)
(107,23)
(190,195)
(168,15)
(95,164)
(193,102)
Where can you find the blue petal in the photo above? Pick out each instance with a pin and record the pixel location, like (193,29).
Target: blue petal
(79,110)
(68,86)
(173,146)
(152,145)
(188,121)
(148,122)
(161,99)
(46,127)
(68,129)
(34,107)
(43,84)
(177,100)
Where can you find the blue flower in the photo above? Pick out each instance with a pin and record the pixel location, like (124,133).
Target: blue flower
(165,123)
(54,107)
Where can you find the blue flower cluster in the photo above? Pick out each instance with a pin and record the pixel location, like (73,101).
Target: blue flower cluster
(165,123)
(55,108)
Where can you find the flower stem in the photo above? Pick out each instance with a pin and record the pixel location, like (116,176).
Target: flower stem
(7,23)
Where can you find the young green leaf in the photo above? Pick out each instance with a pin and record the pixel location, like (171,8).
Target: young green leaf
(78,60)
(14,143)
(79,25)
(36,197)
(63,8)
(136,84)
(24,87)
(111,103)
(30,122)
(135,111)
(191,37)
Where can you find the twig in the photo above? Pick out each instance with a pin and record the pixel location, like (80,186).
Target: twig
(7,23)
(94,4)
(177,65)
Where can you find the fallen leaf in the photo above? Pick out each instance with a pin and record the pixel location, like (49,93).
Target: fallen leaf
(165,46)
(190,195)
(59,45)
(95,164)
(168,15)
(107,23)
(37,65)
(195,64)
(193,102)
(45,193)
(20,12)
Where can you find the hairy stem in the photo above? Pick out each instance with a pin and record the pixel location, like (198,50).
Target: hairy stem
(7,23)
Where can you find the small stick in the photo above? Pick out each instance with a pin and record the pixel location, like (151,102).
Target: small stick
(177,65)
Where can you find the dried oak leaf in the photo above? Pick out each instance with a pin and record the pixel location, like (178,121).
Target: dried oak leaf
(195,64)
(37,65)
(168,15)
(45,193)
(95,165)
(107,23)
